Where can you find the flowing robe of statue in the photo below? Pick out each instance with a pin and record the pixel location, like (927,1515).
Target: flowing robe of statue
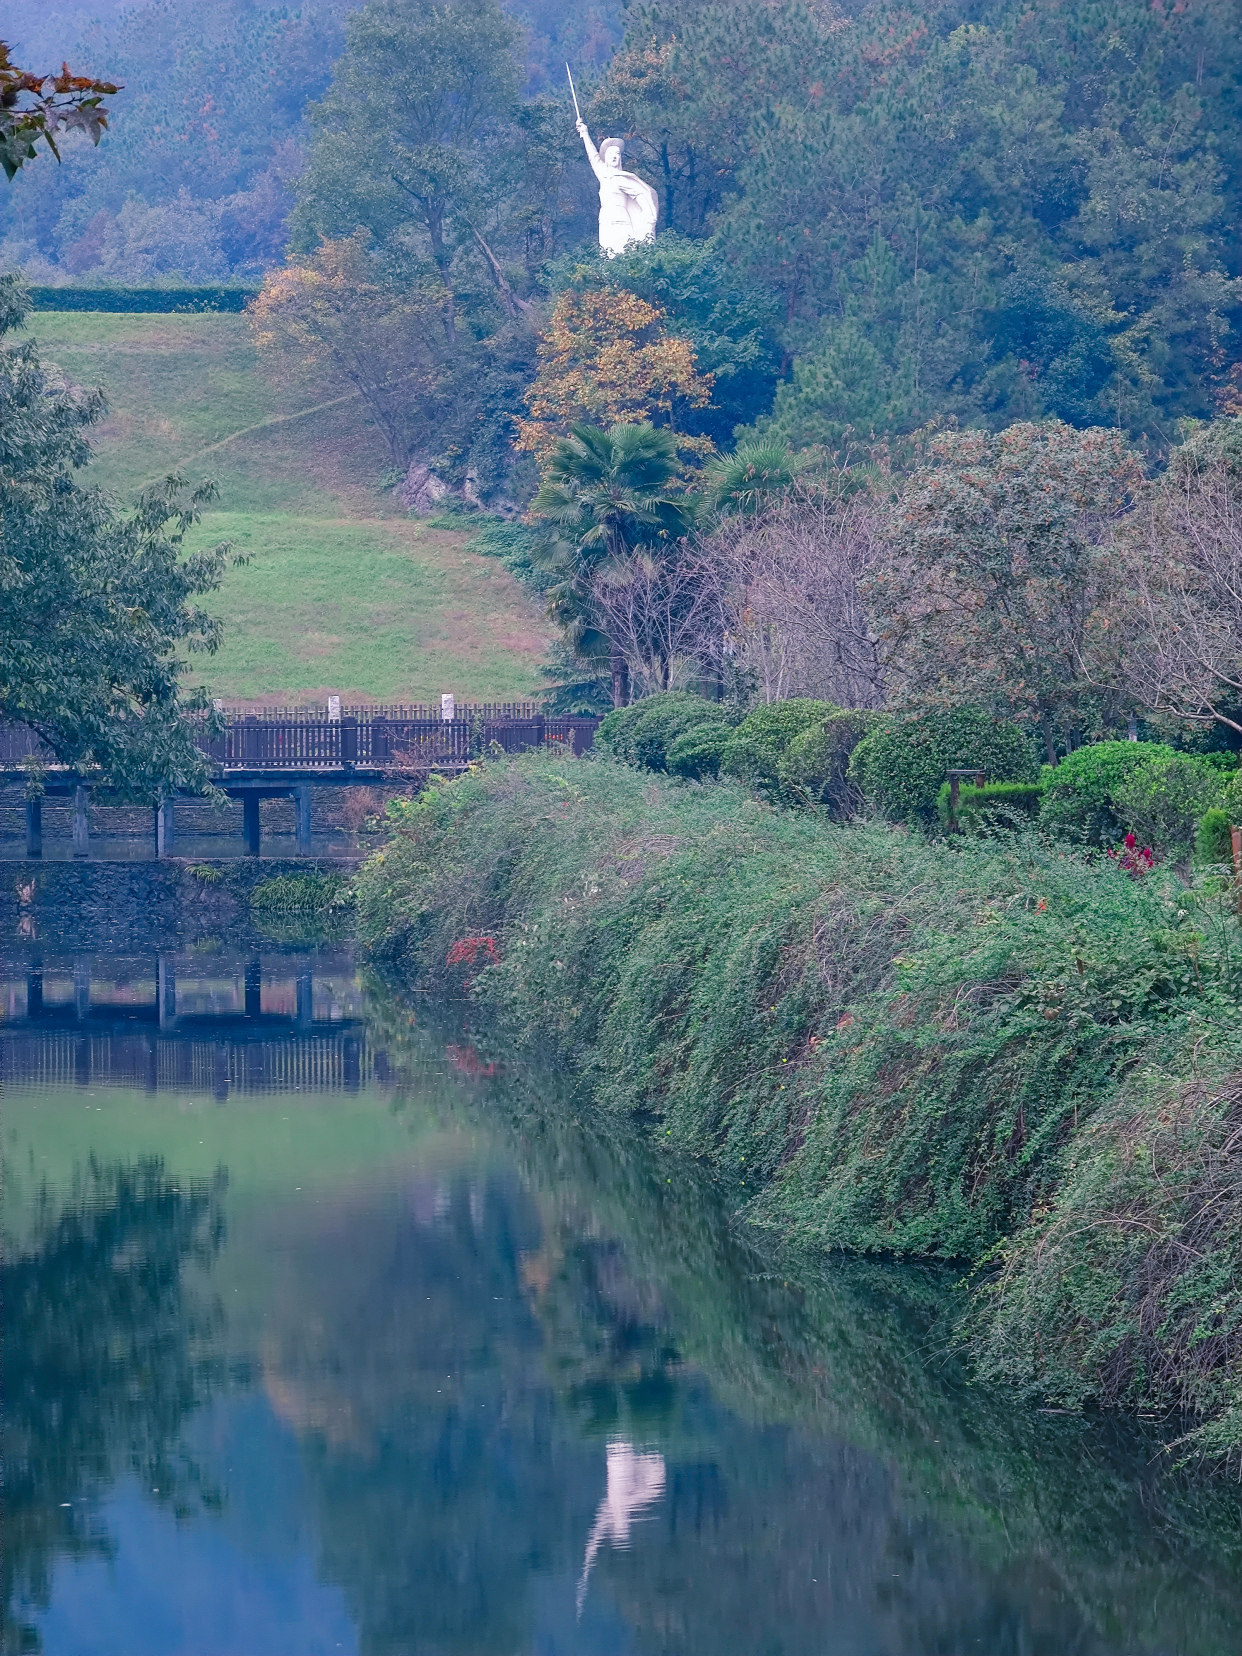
(627,203)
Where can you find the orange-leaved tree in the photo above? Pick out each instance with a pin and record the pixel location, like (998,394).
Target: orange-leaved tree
(606,358)
(336,310)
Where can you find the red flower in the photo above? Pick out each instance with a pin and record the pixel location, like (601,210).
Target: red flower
(468,949)
(1132,860)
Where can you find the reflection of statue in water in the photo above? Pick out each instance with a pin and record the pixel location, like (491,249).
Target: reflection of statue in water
(627,205)
(634,1482)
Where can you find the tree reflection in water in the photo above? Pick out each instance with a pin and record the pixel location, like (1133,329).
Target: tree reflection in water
(527,1366)
(107,1351)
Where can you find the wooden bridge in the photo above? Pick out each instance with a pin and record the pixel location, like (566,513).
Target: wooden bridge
(281,753)
(158,1046)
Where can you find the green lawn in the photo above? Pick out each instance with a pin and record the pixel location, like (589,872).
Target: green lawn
(343,592)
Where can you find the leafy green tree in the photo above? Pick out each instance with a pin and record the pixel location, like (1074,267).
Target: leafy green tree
(408,138)
(95,603)
(1001,588)
(606,495)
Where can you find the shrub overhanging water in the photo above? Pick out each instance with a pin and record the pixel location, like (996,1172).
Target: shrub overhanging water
(984,1050)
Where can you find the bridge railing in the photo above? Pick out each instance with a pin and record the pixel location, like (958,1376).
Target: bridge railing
(372,738)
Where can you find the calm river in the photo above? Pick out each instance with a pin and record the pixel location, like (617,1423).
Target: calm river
(321,1337)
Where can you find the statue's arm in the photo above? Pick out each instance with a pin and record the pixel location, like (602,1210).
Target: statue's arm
(597,166)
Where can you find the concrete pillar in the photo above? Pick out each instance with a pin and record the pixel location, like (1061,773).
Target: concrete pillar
(250,823)
(254,988)
(165,827)
(34,989)
(220,1073)
(352,1064)
(302,810)
(81,821)
(34,827)
(306,1000)
(82,985)
(166,993)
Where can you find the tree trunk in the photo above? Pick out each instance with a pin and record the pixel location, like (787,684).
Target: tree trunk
(1045,724)
(620,680)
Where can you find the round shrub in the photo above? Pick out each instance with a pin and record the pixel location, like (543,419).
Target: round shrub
(1081,794)
(643,734)
(1161,800)
(902,765)
(759,744)
(816,762)
(697,752)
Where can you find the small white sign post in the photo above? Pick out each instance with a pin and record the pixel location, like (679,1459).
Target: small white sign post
(334,710)
(447,708)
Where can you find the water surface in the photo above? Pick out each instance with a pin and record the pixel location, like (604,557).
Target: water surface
(322,1336)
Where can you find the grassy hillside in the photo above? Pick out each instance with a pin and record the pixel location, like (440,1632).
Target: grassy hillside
(343,591)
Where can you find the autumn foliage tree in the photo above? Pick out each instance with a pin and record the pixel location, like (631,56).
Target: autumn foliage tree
(336,310)
(606,358)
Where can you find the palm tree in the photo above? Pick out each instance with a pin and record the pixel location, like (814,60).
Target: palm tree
(608,496)
(752,477)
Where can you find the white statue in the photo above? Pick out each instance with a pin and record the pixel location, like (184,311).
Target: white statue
(627,205)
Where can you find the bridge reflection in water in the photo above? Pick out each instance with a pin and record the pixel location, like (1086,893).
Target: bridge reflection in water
(227,1023)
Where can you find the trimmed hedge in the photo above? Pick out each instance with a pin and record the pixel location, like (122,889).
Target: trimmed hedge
(1081,793)
(146,300)
(996,803)
(901,766)
(647,732)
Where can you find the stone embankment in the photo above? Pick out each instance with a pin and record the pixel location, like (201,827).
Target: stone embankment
(139,903)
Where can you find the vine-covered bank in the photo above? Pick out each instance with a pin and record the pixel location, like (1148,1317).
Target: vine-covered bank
(995,1051)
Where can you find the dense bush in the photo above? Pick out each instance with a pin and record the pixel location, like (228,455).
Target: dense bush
(1081,793)
(145,300)
(759,746)
(1161,800)
(1231,801)
(891,1044)
(644,733)
(1213,838)
(697,752)
(815,766)
(901,766)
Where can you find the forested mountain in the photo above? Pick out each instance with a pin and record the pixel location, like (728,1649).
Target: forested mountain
(990,209)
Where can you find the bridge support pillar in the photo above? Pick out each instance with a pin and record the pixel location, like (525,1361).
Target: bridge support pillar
(34,827)
(165,827)
(167,993)
(250,823)
(302,809)
(306,1000)
(82,985)
(254,987)
(81,821)
(34,989)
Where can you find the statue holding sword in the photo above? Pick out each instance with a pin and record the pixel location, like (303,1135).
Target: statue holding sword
(627,204)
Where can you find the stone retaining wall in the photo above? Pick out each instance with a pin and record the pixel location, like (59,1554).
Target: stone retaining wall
(138,903)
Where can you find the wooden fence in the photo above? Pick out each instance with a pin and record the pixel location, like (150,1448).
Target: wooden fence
(314,1062)
(372,738)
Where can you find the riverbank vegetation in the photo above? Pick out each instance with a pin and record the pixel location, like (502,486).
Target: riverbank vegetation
(1001,1051)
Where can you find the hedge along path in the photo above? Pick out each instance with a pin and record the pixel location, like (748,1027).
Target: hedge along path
(890,1045)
